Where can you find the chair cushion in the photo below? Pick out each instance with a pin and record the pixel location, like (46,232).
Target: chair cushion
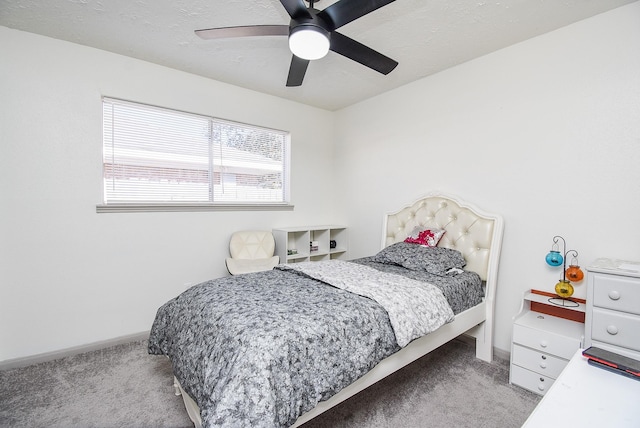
(240,266)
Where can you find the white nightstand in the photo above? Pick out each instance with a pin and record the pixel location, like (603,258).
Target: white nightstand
(545,337)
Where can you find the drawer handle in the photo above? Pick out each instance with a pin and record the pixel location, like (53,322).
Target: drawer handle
(544,344)
(544,357)
(543,365)
(612,330)
(541,385)
(614,295)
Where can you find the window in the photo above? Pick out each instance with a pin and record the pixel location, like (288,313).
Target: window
(159,157)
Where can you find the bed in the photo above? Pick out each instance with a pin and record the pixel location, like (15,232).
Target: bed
(324,331)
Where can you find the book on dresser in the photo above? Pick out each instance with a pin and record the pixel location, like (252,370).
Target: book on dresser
(616,363)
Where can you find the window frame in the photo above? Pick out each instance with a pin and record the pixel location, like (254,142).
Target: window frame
(180,206)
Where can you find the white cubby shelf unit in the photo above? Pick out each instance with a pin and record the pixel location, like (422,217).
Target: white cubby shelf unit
(293,243)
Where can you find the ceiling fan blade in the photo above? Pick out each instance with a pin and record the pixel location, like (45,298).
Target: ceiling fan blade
(243,31)
(345,11)
(366,56)
(296,8)
(297,71)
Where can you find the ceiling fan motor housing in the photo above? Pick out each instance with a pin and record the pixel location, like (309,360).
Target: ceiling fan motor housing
(309,37)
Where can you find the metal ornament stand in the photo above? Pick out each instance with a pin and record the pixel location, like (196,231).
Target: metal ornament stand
(563,301)
(566,302)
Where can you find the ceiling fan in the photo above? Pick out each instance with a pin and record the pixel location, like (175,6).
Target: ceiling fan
(312,33)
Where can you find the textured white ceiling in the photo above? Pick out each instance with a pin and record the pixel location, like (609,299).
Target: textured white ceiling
(424,36)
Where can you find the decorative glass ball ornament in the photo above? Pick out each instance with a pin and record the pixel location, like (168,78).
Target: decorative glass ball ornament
(564,289)
(554,258)
(574,273)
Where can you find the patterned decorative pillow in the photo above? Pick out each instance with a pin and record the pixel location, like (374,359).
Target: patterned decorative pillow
(435,260)
(425,236)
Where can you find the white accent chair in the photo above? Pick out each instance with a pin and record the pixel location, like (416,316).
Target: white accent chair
(251,251)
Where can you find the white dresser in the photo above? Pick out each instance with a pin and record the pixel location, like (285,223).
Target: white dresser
(613,306)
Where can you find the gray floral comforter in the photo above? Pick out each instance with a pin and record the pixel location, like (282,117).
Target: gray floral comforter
(414,308)
(259,350)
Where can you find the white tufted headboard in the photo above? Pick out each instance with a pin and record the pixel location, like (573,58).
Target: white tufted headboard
(476,234)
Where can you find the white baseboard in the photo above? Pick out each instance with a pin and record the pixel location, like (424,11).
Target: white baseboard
(497,352)
(54,355)
(502,354)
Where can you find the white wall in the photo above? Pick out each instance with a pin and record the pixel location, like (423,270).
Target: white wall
(546,133)
(70,276)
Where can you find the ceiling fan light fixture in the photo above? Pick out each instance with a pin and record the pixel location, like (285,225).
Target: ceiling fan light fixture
(309,41)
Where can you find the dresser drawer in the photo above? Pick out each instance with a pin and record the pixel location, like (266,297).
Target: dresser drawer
(545,341)
(616,328)
(530,380)
(537,361)
(619,293)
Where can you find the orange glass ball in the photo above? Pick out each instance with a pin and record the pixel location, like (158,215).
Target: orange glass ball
(574,273)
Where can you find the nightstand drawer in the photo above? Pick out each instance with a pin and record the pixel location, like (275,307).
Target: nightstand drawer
(543,340)
(530,380)
(618,293)
(616,328)
(538,362)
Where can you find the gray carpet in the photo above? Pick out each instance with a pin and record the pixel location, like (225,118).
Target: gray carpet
(123,386)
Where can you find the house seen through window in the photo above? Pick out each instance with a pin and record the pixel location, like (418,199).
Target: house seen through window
(156,155)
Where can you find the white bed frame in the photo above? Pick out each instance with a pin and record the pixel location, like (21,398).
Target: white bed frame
(473,232)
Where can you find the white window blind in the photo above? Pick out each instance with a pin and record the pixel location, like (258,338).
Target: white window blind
(157,155)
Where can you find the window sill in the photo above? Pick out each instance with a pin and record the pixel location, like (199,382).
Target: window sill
(189,207)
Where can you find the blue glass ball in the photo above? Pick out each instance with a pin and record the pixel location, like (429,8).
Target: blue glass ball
(554,258)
